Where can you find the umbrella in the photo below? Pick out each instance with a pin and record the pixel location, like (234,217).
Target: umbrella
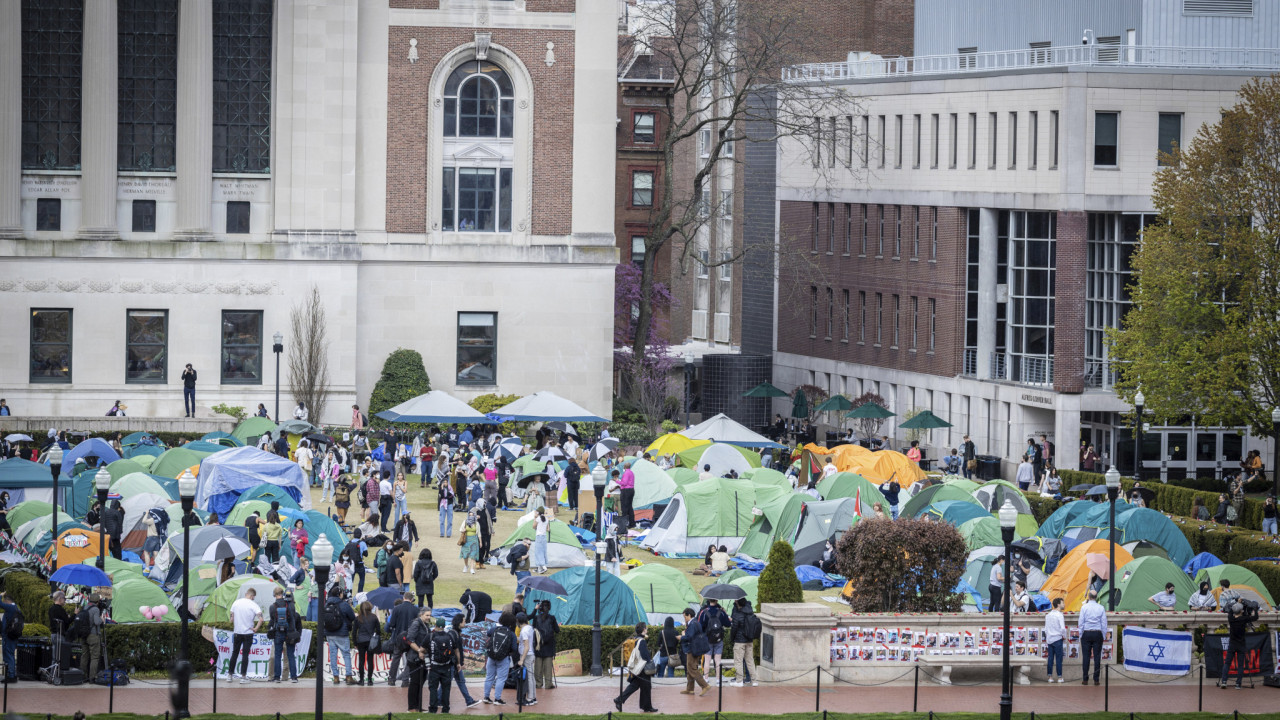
(383,598)
(545,584)
(1029,549)
(561,426)
(1098,564)
(550,452)
(723,591)
(800,405)
(925,420)
(322,439)
(1083,487)
(870,411)
(1097,491)
(672,443)
(765,390)
(18,437)
(528,477)
(228,548)
(85,575)
(602,448)
(510,447)
(835,402)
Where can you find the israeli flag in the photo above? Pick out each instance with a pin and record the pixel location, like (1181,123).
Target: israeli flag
(1161,652)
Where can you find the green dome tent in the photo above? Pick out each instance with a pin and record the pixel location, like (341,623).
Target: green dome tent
(1240,577)
(28,510)
(691,458)
(683,476)
(777,521)
(936,494)
(767,476)
(136,483)
(250,429)
(563,548)
(662,590)
(956,512)
(217,606)
(618,604)
(847,485)
(983,532)
(751,585)
(993,493)
(130,592)
(653,486)
(821,521)
(714,511)
(732,575)
(112,566)
(173,462)
(205,446)
(1143,577)
(244,509)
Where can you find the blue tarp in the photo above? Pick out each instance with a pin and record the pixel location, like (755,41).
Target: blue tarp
(224,475)
(96,448)
(1199,562)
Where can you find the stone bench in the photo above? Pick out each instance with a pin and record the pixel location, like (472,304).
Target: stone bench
(1023,663)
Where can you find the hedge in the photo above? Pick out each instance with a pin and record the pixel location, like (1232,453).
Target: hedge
(1173,498)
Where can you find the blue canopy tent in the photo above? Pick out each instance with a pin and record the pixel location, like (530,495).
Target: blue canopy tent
(25,480)
(546,405)
(94,452)
(227,474)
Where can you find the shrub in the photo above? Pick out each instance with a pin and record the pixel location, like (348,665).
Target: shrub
(28,592)
(902,565)
(778,581)
(489,402)
(235,411)
(404,377)
(1042,507)
(631,434)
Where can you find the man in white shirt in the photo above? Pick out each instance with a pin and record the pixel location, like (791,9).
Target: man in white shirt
(1166,600)
(1055,627)
(570,446)
(1092,624)
(1020,602)
(304,457)
(525,631)
(246,618)
(829,469)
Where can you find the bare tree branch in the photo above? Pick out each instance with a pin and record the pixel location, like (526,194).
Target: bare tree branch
(309,354)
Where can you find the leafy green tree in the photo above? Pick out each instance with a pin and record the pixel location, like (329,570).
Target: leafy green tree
(778,581)
(1203,337)
(404,377)
(902,565)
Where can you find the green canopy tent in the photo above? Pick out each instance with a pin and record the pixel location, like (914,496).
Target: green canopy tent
(765,390)
(250,429)
(732,575)
(618,603)
(174,461)
(1240,577)
(692,457)
(1143,577)
(983,532)
(835,403)
(563,548)
(936,494)
(663,591)
(217,606)
(847,485)
(130,591)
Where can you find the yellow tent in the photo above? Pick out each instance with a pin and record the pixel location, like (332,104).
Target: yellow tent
(75,546)
(883,465)
(1070,580)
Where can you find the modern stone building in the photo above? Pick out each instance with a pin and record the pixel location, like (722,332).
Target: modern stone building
(175,175)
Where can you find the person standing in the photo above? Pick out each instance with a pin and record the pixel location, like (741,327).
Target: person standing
(544,662)
(969,453)
(502,646)
(338,619)
(714,622)
(1088,458)
(113,525)
(695,646)
(419,640)
(1055,628)
(995,585)
(400,495)
(460,680)
(746,629)
(541,528)
(189,391)
(1269,516)
(891,490)
(637,678)
(1092,625)
(406,531)
(285,630)
(10,645)
(385,501)
(342,497)
(443,655)
(1165,601)
(91,658)
(1239,616)
(627,484)
(446,508)
(572,481)
(366,627)
(306,461)
(357,418)
(246,618)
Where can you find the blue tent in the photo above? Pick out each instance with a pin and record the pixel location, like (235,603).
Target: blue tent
(618,603)
(1139,523)
(267,493)
(25,480)
(136,450)
(96,450)
(225,475)
(317,524)
(1200,562)
(224,439)
(1056,524)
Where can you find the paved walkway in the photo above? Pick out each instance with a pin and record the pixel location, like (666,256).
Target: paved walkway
(586,696)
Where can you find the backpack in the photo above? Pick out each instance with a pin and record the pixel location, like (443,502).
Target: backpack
(1231,513)
(353,552)
(441,648)
(714,627)
(501,643)
(426,573)
(364,420)
(80,626)
(332,618)
(17,624)
(751,627)
(281,623)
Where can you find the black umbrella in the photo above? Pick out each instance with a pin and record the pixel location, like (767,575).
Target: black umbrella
(1083,487)
(602,448)
(1148,495)
(723,591)
(524,481)
(383,598)
(1096,491)
(228,548)
(545,584)
(322,439)
(1029,549)
(551,452)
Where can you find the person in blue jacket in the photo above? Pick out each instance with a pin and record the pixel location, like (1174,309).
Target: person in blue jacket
(11,611)
(695,645)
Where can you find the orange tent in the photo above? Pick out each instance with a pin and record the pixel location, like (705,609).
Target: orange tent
(884,465)
(75,546)
(1070,580)
(844,456)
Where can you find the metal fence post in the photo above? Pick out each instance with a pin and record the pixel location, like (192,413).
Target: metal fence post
(817,688)
(720,679)
(1106,690)
(915,691)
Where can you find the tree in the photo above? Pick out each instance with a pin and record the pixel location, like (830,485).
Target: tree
(644,376)
(870,427)
(489,402)
(778,581)
(309,354)
(902,565)
(404,377)
(1203,337)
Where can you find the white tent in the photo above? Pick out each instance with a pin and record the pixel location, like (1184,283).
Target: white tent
(433,407)
(722,458)
(546,405)
(711,512)
(722,428)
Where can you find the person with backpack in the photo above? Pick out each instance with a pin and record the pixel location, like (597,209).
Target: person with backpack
(88,629)
(355,551)
(694,645)
(714,623)
(285,630)
(418,638)
(544,653)
(460,680)
(399,620)
(638,677)
(745,629)
(443,656)
(338,619)
(501,648)
(425,572)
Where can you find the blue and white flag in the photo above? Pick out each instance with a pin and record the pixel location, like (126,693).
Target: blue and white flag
(1161,652)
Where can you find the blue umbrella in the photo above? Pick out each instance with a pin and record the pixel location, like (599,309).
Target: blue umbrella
(86,575)
(383,598)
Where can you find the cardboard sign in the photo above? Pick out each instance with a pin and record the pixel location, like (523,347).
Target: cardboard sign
(260,651)
(568,663)
(381,665)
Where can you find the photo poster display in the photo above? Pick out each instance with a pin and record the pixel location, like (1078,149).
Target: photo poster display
(905,644)
(259,667)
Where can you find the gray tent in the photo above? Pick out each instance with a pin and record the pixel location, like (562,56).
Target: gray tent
(820,522)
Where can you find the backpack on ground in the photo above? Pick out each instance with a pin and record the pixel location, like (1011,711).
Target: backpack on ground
(501,643)
(441,648)
(714,627)
(752,627)
(332,618)
(17,624)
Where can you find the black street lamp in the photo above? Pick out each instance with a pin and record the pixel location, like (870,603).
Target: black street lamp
(688,381)
(1113,491)
(102,481)
(55,467)
(321,557)
(1275,458)
(599,478)
(277,349)
(1138,401)
(187,493)
(1008,520)
(596,668)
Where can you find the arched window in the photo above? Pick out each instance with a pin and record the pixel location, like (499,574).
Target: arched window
(476,187)
(478,101)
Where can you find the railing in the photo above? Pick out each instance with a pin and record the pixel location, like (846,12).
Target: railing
(970,366)
(999,366)
(1098,374)
(1100,56)
(1033,370)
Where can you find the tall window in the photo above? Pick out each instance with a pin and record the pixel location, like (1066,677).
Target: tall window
(844,299)
(1013,140)
(816,228)
(831,228)
(1112,239)
(915,319)
(897,231)
(1053,139)
(897,318)
(866,140)
(642,188)
(863,246)
(848,121)
(862,316)
(992,128)
(477,348)
(1106,138)
(813,311)
(933,324)
(934,129)
(915,243)
(831,311)
(642,128)
(479,102)
(933,234)
(973,140)
(1033,135)
(241,347)
(848,228)
(242,86)
(953,150)
(146,346)
(883,139)
(637,250)
(879,318)
(50,346)
(52,35)
(880,234)
(1032,275)
(148,84)
(917,128)
(897,141)
(1169,136)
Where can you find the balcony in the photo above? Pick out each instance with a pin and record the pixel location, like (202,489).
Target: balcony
(1100,57)
(1023,370)
(970,366)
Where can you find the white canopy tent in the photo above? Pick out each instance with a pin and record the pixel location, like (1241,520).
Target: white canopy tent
(546,405)
(722,428)
(433,407)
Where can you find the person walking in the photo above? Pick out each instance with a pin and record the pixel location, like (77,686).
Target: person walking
(425,572)
(524,665)
(1055,629)
(342,497)
(338,619)
(627,486)
(544,660)
(637,677)
(328,476)
(385,500)
(366,627)
(10,644)
(969,455)
(469,544)
(399,620)
(460,680)
(400,495)
(502,647)
(695,646)
(405,531)
(745,628)
(246,618)
(995,585)
(305,459)
(446,508)
(285,630)
(1269,516)
(572,481)
(419,640)
(189,391)
(1092,625)
(484,527)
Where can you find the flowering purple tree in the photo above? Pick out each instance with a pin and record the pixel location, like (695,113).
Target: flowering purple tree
(644,376)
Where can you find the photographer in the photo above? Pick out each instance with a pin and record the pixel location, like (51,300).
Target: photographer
(189,391)
(91,656)
(1240,615)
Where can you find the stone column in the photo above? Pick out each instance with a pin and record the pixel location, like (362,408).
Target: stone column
(195,120)
(371,118)
(988,261)
(10,120)
(99,110)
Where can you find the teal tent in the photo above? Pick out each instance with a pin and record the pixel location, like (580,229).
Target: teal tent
(224,439)
(936,494)
(205,446)
(1056,524)
(143,450)
(618,603)
(1152,526)
(956,512)
(317,524)
(267,492)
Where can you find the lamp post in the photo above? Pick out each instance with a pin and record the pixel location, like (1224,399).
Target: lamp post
(596,668)
(55,467)
(1275,458)
(688,381)
(599,478)
(1138,401)
(102,481)
(1008,519)
(1113,491)
(277,349)
(187,493)
(321,557)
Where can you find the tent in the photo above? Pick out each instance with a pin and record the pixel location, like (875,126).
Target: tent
(956,512)
(174,461)
(94,452)
(204,536)
(243,509)
(205,446)
(662,590)
(227,474)
(140,438)
(653,486)
(776,521)
(722,458)
(1241,579)
(202,580)
(1092,522)
(1144,577)
(683,476)
(139,452)
(82,491)
(25,480)
(1056,524)
(250,429)
(1070,580)
(317,524)
(28,510)
(844,457)
(977,573)
(217,607)
(1200,562)
(112,565)
(749,584)
(563,548)
(715,511)
(40,541)
(546,405)
(884,465)
(75,546)
(268,493)
(936,494)
(618,603)
(723,429)
(129,592)
(821,521)
(433,407)
(1153,526)
(993,493)
(120,468)
(135,509)
(763,476)
(135,483)
(982,532)
(222,438)
(847,485)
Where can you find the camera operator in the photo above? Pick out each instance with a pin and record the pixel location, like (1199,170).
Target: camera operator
(1240,615)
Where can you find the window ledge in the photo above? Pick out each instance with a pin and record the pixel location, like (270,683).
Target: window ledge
(862,342)
(827,338)
(911,350)
(879,257)
(893,347)
(876,345)
(1107,168)
(914,259)
(928,352)
(830,253)
(813,337)
(845,341)
(896,257)
(862,255)
(933,260)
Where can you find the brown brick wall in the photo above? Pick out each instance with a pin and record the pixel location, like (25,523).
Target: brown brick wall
(550,5)
(884,27)
(940,279)
(407,130)
(1069,288)
(415,4)
(629,220)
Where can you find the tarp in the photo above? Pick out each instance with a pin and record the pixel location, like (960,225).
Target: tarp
(1070,580)
(95,449)
(822,520)
(1239,576)
(653,486)
(618,604)
(563,548)
(721,456)
(227,474)
(130,591)
(884,465)
(723,429)
(936,494)
(1200,562)
(19,473)
(250,429)
(663,591)
(1144,577)
(715,511)
(433,407)
(546,405)
(174,461)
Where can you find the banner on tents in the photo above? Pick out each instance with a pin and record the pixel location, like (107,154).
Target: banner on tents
(259,654)
(1161,652)
(1258,655)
